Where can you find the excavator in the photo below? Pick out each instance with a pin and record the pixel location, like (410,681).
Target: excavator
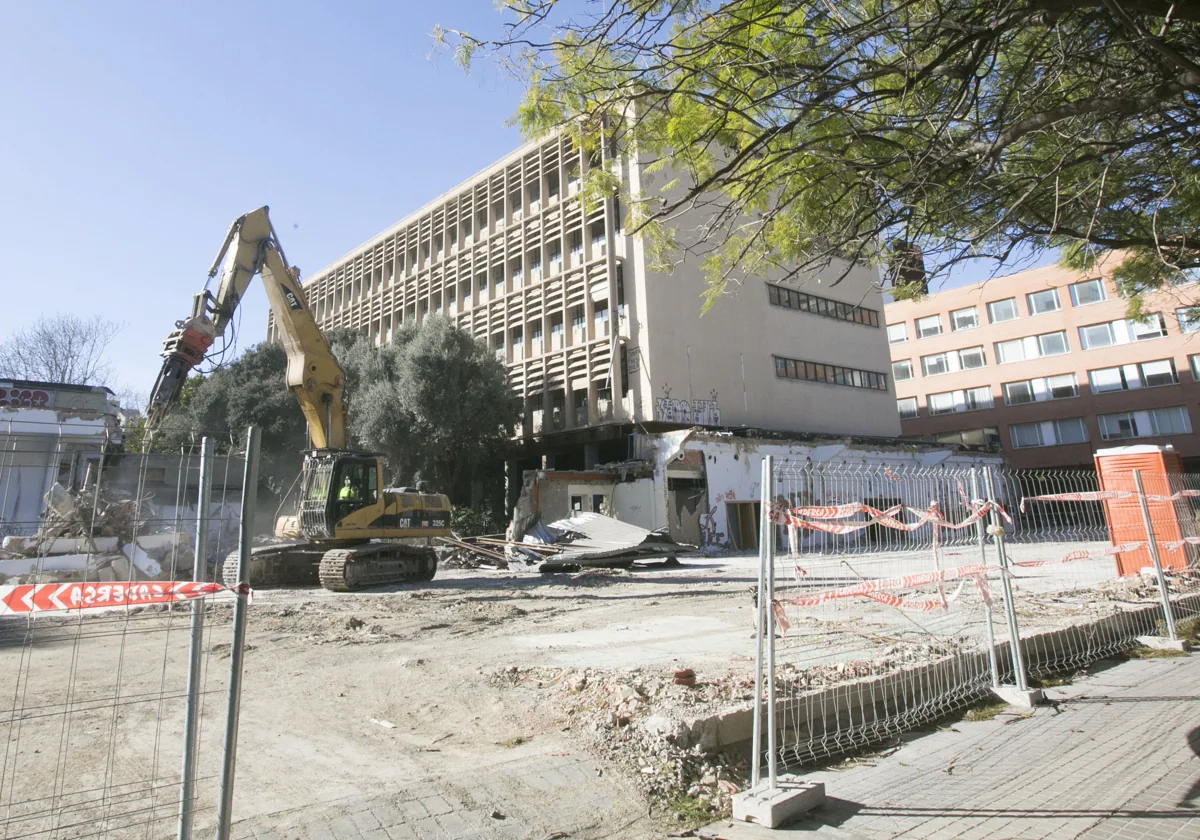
(350,532)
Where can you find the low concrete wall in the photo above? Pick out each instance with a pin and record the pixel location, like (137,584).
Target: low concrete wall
(856,713)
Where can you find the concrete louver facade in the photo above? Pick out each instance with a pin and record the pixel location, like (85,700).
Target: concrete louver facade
(594,339)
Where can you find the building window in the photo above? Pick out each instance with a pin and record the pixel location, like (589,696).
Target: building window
(929,326)
(1042,302)
(1048,433)
(1151,423)
(964,319)
(1132,377)
(1002,310)
(1032,347)
(988,437)
(952,402)
(1194,361)
(1018,393)
(1124,331)
(1189,319)
(1087,292)
(792,299)
(829,374)
(577,318)
(1025,435)
(951,361)
(897,333)
(907,408)
(902,370)
(1038,390)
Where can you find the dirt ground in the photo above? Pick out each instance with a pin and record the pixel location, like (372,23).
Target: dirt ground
(484,703)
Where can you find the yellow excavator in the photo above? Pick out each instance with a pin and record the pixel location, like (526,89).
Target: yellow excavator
(350,532)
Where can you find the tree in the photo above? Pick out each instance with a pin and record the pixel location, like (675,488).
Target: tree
(434,401)
(811,130)
(63,348)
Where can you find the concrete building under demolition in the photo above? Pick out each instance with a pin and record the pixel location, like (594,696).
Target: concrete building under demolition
(597,342)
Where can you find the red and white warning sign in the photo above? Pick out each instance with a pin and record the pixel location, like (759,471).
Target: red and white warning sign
(45,597)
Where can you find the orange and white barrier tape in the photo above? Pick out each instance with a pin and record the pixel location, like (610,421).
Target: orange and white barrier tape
(1174,497)
(1175,545)
(1092,554)
(1090,496)
(49,597)
(819,517)
(883,584)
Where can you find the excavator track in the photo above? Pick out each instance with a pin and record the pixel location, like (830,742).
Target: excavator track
(376,564)
(277,565)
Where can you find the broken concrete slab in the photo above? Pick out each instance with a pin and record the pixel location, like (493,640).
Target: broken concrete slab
(592,539)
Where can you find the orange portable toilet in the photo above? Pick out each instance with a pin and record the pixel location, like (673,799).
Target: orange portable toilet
(1160,467)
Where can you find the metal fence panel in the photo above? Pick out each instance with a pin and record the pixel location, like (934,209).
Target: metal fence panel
(899,591)
(92,701)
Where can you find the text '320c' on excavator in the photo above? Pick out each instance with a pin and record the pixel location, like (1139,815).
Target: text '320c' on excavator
(353,532)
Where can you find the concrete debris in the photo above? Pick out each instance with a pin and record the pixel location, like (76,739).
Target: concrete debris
(95,537)
(591,539)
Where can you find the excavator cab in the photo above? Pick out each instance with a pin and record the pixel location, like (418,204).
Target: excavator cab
(336,486)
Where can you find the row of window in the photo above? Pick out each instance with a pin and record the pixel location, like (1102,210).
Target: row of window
(1093,337)
(998,311)
(1063,386)
(831,374)
(1124,425)
(804,302)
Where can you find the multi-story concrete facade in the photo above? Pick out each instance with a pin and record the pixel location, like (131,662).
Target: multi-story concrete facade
(1046,365)
(595,340)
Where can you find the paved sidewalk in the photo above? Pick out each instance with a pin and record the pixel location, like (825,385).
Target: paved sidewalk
(1115,758)
(493,804)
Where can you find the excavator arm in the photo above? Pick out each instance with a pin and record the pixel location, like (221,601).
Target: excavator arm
(313,374)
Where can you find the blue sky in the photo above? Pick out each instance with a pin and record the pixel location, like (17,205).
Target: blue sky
(135,132)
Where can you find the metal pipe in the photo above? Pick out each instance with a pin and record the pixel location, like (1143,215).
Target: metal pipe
(981,532)
(191,714)
(1010,608)
(759,624)
(1152,544)
(238,647)
(768,540)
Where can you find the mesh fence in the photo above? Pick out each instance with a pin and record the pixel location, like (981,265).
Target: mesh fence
(898,591)
(92,701)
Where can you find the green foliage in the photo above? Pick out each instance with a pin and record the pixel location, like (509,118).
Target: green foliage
(474,522)
(434,401)
(814,133)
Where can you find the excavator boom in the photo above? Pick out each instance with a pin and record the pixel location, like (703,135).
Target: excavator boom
(313,374)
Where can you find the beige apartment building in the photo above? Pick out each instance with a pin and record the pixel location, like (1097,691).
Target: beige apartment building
(595,340)
(1045,365)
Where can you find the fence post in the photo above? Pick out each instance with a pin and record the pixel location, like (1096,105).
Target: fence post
(238,647)
(187,787)
(1010,607)
(981,532)
(761,607)
(767,548)
(1152,545)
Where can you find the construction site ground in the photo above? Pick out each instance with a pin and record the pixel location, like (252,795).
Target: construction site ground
(477,705)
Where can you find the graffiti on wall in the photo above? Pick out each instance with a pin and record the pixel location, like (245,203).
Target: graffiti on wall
(24,398)
(697,413)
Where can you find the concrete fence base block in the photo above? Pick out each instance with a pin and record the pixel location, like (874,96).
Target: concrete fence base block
(1014,696)
(1163,643)
(790,799)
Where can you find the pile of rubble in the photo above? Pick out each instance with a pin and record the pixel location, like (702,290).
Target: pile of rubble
(586,540)
(98,537)
(658,726)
